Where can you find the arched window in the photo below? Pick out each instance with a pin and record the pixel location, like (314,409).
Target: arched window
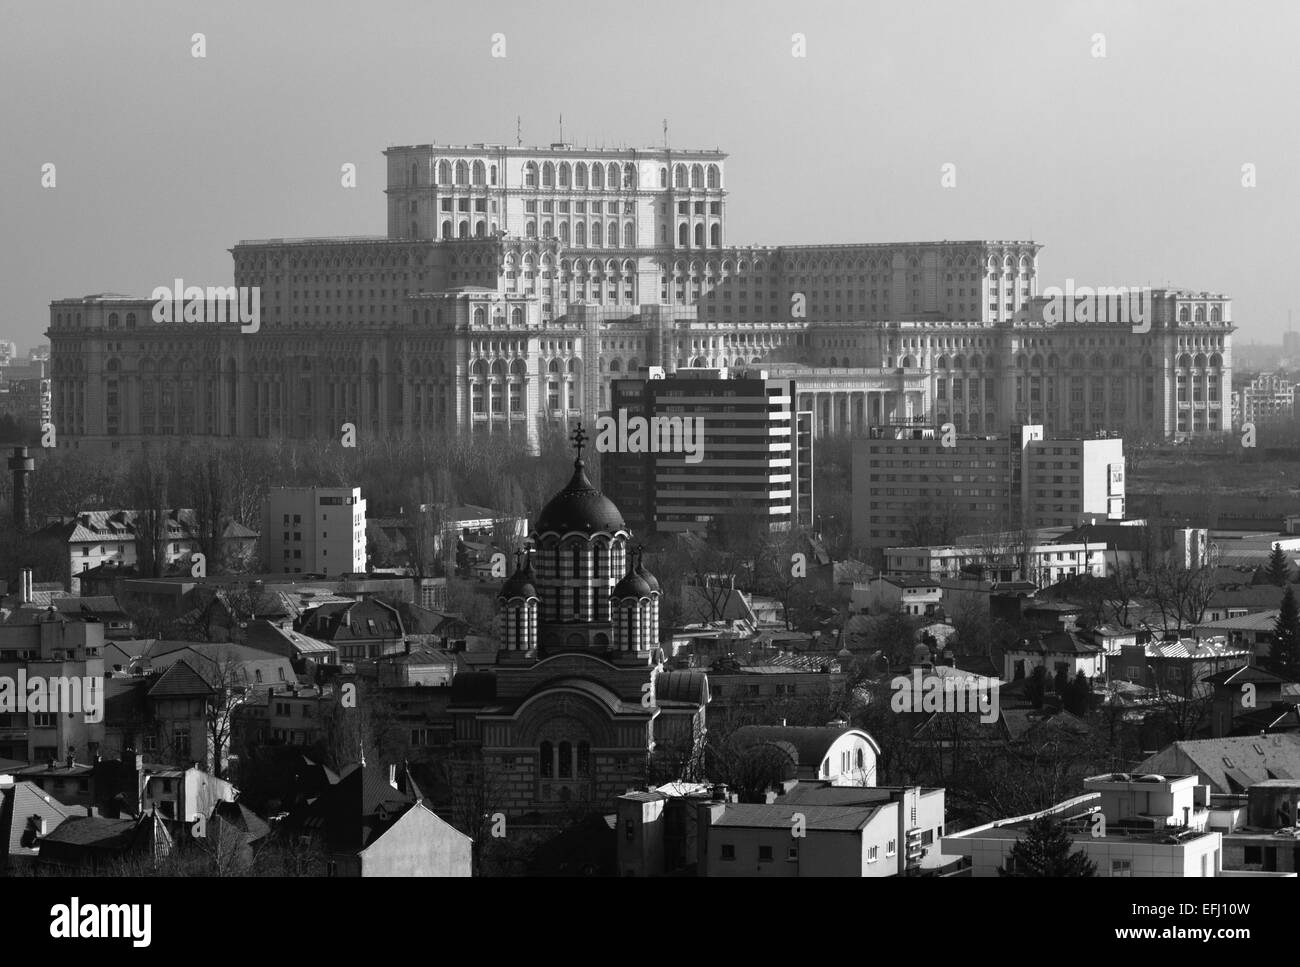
(577,561)
(580,175)
(480,316)
(595,562)
(480,229)
(683,234)
(530,174)
(530,229)
(663,177)
(546,761)
(565,174)
(679,176)
(595,234)
(1216,315)
(444,173)
(112,320)
(715,235)
(580,234)
(699,236)
(612,182)
(629,176)
(548,175)
(492,174)
(462,173)
(446,228)
(697,176)
(566,760)
(584,760)
(516,316)
(564,233)
(462,230)
(547,230)
(597,176)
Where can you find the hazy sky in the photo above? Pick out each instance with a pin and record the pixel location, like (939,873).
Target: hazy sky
(1127,168)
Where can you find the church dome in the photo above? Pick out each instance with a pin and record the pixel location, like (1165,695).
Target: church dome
(649,578)
(579,506)
(520,584)
(633,585)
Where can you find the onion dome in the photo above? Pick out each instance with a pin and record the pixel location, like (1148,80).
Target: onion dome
(633,585)
(579,506)
(644,572)
(520,584)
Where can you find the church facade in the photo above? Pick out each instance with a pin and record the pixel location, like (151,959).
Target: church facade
(579,701)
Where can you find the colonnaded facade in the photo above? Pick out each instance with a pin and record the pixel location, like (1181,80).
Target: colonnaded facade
(515,283)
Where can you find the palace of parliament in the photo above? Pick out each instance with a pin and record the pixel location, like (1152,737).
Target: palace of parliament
(515,283)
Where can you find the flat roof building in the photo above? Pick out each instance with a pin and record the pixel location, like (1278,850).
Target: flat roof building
(705,445)
(297,524)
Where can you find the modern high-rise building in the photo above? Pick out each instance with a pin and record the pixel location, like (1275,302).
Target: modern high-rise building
(704,445)
(909,488)
(515,283)
(314,530)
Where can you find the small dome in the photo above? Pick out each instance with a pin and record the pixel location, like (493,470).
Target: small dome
(633,585)
(579,507)
(520,584)
(649,578)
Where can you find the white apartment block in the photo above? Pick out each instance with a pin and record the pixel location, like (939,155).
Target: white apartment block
(1001,557)
(1149,825)
(314,530)
(1269,398)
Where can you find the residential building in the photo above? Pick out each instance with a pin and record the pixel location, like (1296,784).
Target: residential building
(909,480)
(296,527)
(1268,398)
(98,537)
(911,594)
(66,656)
(1128,825)
(707,446)
(1054,652)
(1178,666)
(809,829)
(1230,765)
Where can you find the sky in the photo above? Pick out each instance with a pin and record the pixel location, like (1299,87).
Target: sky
(1127,168)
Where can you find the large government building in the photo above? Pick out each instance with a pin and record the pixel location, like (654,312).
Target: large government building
(515,283)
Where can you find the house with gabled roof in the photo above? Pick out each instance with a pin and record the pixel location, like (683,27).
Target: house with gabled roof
(27,814)
(1230,764)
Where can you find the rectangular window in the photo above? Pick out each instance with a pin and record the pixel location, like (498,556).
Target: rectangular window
(728,851)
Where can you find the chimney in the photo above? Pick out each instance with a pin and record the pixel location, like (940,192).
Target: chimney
(22,467)
(25,586)
(392,775)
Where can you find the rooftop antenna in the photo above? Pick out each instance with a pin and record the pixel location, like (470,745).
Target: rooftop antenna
(519,132)
(665,133)
(561,129)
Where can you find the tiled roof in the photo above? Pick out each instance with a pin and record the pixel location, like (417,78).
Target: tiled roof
(94,831)
(180,680)
(1247,758)
(29,801)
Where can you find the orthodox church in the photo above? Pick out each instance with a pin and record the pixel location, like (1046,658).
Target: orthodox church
(579,699)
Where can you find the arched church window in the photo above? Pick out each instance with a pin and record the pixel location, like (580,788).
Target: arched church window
(566,760)
(584,759)
(519,627)
(577,564)
(545,762)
